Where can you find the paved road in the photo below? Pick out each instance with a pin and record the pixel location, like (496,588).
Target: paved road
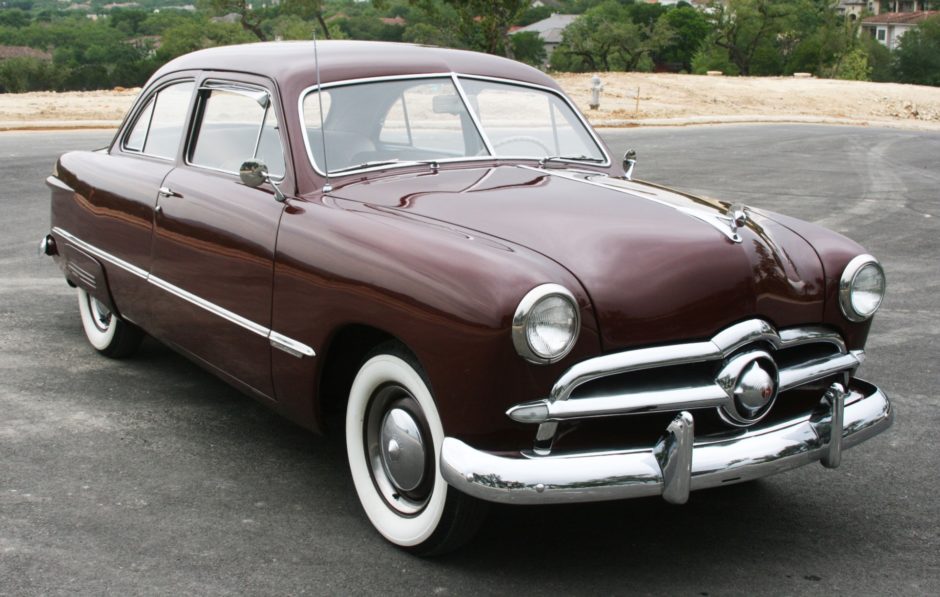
(151,477)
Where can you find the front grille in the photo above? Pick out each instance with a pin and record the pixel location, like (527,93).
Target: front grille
(630,396)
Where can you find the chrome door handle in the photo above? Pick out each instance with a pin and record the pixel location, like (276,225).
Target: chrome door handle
(168,192)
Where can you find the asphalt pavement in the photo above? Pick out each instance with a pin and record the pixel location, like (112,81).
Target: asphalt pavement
(150,476)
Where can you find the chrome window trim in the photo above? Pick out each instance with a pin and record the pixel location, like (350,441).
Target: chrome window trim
(277,340)
(845,287)
(236,88)
(562,97)
(474,117)
(132,122)
(454,76)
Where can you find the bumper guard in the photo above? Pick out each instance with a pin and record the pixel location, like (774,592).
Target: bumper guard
(677,463)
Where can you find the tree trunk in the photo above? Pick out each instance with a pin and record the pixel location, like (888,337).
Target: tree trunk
(326,30)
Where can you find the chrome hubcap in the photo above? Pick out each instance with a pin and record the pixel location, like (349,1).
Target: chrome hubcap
(399,449)
(402,449)
(100,315)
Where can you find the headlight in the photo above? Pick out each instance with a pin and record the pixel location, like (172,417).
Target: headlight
(546,324)
(861,288)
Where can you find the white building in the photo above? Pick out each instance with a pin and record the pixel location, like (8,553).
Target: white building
(889,27)
(550,31)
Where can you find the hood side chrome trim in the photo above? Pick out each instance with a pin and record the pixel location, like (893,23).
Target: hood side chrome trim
(717,221)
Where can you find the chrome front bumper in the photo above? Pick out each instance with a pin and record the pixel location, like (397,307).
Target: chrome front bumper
(677,463)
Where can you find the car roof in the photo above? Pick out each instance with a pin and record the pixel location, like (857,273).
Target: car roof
(292,62)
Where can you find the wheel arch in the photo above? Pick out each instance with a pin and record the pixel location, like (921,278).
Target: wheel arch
(343,355)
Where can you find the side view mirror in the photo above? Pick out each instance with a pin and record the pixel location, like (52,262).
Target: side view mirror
(255,172)
(629,163)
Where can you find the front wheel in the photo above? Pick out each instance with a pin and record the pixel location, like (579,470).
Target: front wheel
(108,333)
(393,442)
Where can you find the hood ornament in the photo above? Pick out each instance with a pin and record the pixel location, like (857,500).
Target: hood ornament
(736,218)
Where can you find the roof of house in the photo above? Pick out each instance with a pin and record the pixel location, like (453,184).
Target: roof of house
(23,52)
(550,29)
(900,18)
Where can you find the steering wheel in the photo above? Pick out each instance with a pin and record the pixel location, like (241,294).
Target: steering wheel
(523,139)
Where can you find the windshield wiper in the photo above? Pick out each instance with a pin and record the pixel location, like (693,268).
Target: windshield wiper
(576,159)
(395,162)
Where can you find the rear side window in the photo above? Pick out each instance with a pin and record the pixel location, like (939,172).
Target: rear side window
(237,125)
(159,126)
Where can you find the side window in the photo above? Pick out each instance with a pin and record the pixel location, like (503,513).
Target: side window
(160,125)
(137,136)
(237,125)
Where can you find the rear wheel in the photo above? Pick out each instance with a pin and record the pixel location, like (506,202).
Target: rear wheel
(393,442)
(108,333)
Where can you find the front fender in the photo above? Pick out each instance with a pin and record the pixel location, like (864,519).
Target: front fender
(447,294)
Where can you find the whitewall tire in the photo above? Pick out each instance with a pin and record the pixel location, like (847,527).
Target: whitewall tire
(393,443)
(108,333)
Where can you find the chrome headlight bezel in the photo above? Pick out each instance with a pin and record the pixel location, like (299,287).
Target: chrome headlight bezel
(847,287)
(521,321)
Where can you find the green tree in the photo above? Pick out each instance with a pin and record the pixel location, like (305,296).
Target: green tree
(308,10)
(917,58)
(128,20)
(879,59)
(527,46)
(250,20)
(192,36)
(429,35)
(14,17)
(691,29)
(19,75)
(605,38)
(711,57)
(491,20)
(748,30)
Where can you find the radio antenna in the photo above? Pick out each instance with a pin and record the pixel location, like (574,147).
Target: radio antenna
(327,187)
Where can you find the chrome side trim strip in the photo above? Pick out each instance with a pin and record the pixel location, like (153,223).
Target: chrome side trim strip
(55,182)
(104,256)
(288,345)
(210,307)
(598,476)
(716,221)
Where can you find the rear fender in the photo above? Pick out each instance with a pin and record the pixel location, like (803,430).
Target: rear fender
(86,272)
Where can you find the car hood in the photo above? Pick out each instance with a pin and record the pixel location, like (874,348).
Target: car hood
(658,265)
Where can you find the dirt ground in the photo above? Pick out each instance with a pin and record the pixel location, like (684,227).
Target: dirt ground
(628,99)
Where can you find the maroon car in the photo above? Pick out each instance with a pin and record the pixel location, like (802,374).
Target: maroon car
(432,249)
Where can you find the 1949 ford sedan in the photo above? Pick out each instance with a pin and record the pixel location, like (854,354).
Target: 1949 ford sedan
(433,249)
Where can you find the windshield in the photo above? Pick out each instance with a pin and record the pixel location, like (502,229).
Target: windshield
(384,123)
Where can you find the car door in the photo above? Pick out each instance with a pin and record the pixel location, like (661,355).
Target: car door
(111,218)
(214,237)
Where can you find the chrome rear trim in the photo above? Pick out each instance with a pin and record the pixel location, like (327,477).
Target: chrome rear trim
(279,341)
(598,476)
